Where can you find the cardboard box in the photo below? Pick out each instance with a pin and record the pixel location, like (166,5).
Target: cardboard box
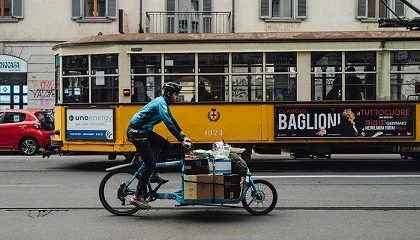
(210,186)
(196,166)
(221,166)
(190,186)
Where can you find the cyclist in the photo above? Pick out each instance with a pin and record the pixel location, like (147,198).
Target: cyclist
(140,133)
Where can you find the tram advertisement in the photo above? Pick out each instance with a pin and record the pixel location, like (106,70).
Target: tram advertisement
(395,121)
(90,124)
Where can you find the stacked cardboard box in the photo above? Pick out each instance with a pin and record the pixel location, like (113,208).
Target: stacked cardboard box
(203,186)
(211,186)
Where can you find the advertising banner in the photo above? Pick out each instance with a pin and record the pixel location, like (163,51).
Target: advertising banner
(90,124)
(344,122)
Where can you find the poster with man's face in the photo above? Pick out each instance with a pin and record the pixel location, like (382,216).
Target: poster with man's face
(343,121)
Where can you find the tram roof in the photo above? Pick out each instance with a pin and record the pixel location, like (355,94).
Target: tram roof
(150,38)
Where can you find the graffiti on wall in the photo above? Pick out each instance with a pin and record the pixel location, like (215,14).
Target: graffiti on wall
(41,94)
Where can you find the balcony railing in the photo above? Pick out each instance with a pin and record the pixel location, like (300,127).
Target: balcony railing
(188,22)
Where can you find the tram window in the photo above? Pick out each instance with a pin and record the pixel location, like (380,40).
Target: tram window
(145,88)
(326,76)
(179,63)
(247,88)
(145,63)
(281,87)
(187,83)
(57,79)
(75,65)
(247,62)
(76,90)
(105,89)
(213,63)
(405,75)
(360,75)
(104,64)
(212,88)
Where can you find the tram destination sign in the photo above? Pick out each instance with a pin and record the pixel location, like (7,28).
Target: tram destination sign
(354,121)
(90,124)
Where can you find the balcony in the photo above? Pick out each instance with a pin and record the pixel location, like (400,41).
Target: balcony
(188,22)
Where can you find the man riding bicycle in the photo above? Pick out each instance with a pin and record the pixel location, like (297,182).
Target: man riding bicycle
(140,133)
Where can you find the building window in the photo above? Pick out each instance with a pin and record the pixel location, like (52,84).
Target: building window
(283,9)
(405,75)
(375,9)
(11,9)
(94,10)
(189,16)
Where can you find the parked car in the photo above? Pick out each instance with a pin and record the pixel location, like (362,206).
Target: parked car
(26,130)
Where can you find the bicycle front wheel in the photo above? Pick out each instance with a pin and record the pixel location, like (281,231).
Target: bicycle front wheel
(262,203)
(115,195)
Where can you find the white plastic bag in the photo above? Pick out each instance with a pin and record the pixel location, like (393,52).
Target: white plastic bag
(220,150)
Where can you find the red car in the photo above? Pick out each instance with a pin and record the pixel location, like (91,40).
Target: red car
(26,130)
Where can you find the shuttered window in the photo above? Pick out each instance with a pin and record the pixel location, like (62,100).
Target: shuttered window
(11,9)
(283,9)
(94,9)
(375,9)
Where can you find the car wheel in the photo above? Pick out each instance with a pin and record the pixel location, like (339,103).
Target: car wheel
(28,146)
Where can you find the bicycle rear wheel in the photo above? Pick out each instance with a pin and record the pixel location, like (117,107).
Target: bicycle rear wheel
(114,195)
(263,204)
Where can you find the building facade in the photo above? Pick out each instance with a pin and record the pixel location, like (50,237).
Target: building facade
(29,29)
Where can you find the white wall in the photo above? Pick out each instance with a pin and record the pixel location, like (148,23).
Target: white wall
(50,20)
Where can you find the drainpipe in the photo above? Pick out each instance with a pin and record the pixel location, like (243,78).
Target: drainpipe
(141,18)
(233,16)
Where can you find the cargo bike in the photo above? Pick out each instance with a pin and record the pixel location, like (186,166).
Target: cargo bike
(258,197)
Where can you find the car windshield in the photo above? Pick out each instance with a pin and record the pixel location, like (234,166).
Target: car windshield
(47,120)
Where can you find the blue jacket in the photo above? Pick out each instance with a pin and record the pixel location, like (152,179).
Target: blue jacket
(155,112)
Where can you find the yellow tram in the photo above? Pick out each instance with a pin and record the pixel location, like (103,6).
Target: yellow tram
(260,91)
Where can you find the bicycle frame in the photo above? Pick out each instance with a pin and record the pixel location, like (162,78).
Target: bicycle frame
(178,196)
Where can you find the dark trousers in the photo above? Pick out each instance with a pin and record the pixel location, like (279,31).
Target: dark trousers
(159,144)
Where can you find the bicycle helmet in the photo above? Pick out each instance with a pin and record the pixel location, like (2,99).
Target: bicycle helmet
(171,87)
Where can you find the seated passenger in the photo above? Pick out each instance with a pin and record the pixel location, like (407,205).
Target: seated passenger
(203,94)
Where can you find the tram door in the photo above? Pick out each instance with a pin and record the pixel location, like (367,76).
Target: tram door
(13,91)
